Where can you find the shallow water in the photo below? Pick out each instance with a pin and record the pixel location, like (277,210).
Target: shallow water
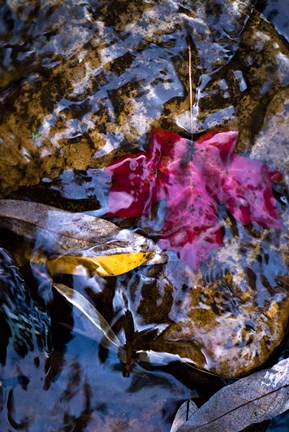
(81,85)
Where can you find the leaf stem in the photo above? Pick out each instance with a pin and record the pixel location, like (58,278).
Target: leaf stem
(190,88)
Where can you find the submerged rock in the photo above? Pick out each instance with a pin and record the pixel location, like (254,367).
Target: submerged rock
(84,92)
(230,319)
(74,95)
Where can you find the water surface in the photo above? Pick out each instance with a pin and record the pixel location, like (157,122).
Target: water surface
(83,83)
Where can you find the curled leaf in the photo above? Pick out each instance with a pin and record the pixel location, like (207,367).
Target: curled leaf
(77,300)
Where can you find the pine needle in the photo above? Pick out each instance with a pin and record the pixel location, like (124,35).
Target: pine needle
(190,88)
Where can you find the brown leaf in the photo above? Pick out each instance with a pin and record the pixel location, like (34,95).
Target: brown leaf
(258,397)
(72,240)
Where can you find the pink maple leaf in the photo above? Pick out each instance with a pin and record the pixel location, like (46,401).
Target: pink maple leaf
(192,178)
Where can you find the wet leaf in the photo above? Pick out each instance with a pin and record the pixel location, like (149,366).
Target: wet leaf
(192,179)
(258,397)
(184,413)
(103,265)
(89,311)
(77,242)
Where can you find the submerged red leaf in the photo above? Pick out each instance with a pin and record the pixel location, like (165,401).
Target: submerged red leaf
(192,178)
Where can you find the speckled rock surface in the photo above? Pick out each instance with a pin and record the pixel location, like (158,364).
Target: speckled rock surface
(99,81)
(233,317)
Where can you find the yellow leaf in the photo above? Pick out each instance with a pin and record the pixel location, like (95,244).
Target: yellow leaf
(102,265)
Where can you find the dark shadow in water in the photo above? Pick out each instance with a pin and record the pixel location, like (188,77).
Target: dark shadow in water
(276,12)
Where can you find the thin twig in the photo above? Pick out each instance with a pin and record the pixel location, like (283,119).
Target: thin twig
(190,88)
